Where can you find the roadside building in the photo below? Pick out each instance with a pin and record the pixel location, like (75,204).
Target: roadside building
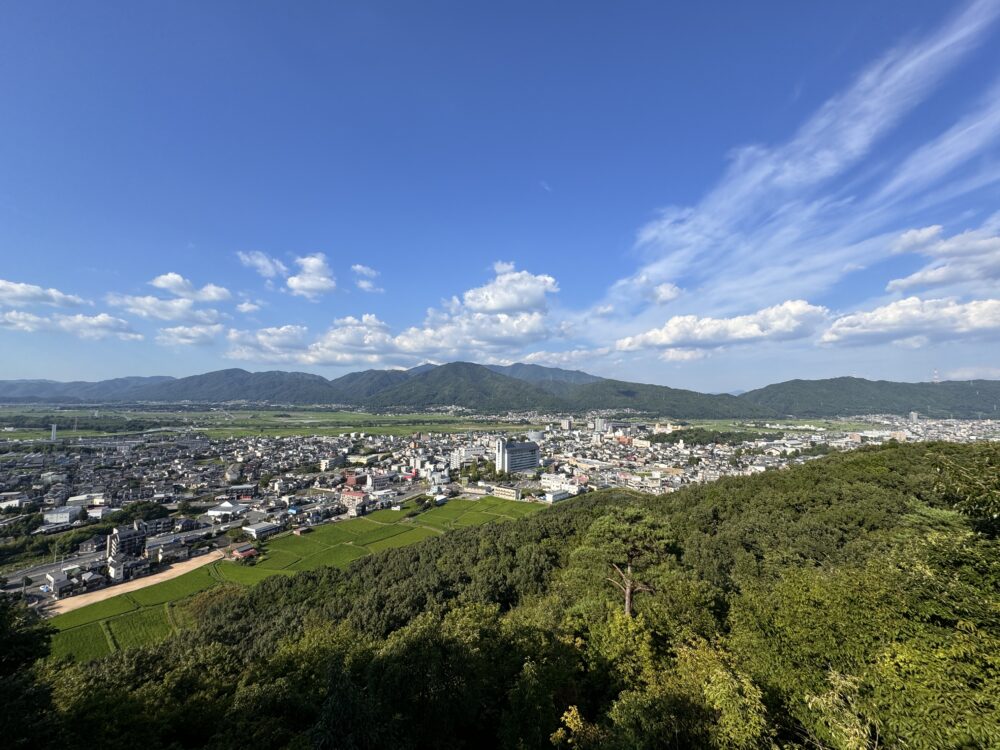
(262,530)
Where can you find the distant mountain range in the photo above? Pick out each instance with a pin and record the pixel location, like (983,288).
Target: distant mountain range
(524,387)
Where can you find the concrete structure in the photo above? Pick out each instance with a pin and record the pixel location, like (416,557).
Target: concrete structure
(126,541)
(506,493)
(262,530)
(67,514)
(515,456)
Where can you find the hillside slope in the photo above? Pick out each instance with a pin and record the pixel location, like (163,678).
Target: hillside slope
(843,396)
(846,592)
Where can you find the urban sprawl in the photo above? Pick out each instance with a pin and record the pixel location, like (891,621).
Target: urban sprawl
(239,491)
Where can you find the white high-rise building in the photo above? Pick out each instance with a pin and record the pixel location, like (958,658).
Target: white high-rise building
(515,456)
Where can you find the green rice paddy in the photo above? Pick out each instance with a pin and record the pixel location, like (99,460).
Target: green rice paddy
(152,614)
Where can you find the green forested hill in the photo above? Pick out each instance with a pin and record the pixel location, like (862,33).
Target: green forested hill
(972,399)
(853,602)
(521,387)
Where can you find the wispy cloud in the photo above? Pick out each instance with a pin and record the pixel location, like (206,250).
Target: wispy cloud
(263,264)
(790,220)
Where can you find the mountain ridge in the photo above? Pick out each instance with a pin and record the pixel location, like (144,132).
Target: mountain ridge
(525,387)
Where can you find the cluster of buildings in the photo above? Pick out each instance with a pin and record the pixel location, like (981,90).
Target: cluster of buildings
(265,484)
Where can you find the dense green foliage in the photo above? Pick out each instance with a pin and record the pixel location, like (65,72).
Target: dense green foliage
(973,399)
(521,387)
(847,603)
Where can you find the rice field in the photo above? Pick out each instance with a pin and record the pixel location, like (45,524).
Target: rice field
(141,628)
(152,614)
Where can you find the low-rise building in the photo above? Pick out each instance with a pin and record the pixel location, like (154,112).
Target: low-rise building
(262,530)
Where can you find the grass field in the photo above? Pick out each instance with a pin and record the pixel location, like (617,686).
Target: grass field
(152,614)
(221,423)
(82,643)
(140,628)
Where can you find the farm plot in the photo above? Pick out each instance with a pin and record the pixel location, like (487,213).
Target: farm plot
(176,588)
(141,628)
(112,607)
(81,644)
(338,557)
(378,534)
(410,536)
(278,559)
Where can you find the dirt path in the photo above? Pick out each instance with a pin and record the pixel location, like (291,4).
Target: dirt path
(177,569)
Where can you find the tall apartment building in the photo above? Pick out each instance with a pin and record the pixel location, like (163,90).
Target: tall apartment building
(126,541)
(515,456)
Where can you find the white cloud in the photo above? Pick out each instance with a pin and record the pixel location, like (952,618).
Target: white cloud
(362,270)
(92,327)
(189,335)
(313,279)
(789,320)
(792,219)
(274,344)
(967,262)
(96,326)
(572,357)
(25,322)
(263,264)
(511,291)
(917,237)
(916,322)
(17,294)
(973,373)
(155,308)
(248,307)
(456,331)
(666,292)
(364,281)
(682,355)
(181,287)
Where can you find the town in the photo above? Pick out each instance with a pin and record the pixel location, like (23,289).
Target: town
(114,509)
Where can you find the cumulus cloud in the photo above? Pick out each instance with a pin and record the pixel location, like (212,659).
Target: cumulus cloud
(313,279)
(189,335)
(248,307)
(364,276)
(457,330)
(511,291)
(263,264)
(966,262)
(916,322)
(17,294)
(92,327)
(155,308)
(274,344)
(789,320)
(177,285)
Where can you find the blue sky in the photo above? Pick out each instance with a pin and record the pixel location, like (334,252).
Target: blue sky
(713,197)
